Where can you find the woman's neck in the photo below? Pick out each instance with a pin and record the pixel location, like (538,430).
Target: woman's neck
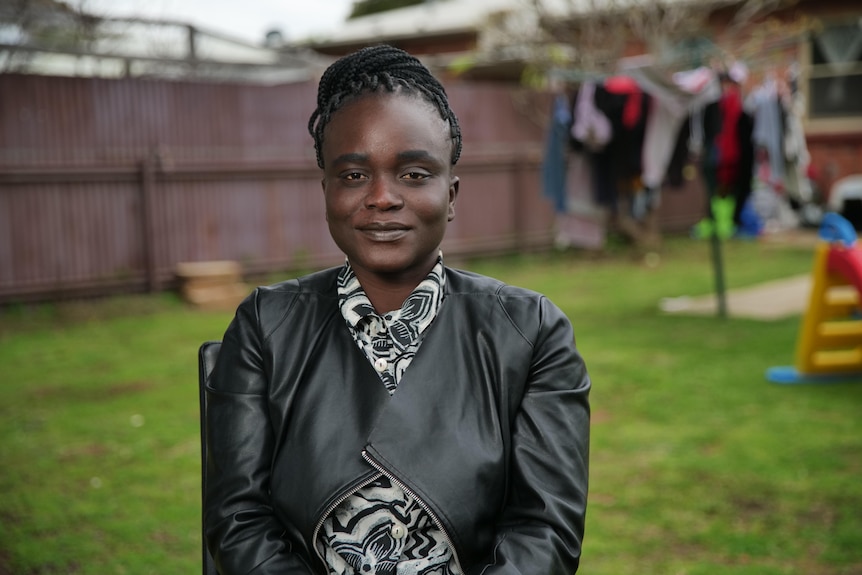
(388,293)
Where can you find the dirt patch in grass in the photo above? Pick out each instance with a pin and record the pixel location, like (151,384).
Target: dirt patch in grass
(750,505)
(5,568)
(163,538)
(90,450)
(599,416)
(821,514)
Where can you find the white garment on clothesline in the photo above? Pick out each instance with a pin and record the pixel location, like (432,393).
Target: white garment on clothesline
(672,100)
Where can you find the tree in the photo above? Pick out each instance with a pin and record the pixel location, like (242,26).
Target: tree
(44,25)
(366,7)
(591,36)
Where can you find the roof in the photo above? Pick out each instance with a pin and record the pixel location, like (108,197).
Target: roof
(434,18)
(440,17)
(583,7)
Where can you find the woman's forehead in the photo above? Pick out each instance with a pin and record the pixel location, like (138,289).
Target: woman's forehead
(400,95)
(392,110)
(383,127)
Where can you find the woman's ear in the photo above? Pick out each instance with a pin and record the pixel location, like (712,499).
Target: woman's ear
(453,193)
(323,187)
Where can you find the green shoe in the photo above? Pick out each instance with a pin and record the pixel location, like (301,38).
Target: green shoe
(722,211)
(702,229)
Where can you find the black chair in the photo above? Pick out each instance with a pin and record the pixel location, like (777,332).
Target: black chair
(207,354)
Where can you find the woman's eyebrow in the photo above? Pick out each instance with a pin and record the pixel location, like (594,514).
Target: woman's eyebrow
(351,158)
(416,155)
(405,156)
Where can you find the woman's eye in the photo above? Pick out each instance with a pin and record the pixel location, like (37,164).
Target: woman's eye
(415,176)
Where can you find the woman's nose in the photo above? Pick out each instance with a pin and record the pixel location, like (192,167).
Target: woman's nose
(383,195)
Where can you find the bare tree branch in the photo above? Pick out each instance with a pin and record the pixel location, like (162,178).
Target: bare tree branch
(589,37)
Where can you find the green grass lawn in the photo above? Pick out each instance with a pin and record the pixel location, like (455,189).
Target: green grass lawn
(699,465)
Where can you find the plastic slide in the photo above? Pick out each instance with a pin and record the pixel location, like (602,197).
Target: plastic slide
(846,262)
(845,257)
(836,345)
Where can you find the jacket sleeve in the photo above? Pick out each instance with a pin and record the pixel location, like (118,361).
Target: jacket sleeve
(541,528)
(242,531)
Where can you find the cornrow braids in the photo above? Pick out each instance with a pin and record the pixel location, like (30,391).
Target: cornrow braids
(368,70)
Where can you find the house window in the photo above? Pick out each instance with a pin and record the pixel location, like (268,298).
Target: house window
(836,71)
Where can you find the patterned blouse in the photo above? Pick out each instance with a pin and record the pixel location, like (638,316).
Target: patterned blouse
(380,529)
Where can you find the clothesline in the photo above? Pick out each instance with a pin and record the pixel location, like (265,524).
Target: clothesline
(686,56)
(647,110)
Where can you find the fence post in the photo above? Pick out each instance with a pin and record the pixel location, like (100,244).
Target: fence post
(518,201)
(148,181)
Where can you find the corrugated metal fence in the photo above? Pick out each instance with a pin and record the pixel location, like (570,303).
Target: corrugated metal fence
(105,185)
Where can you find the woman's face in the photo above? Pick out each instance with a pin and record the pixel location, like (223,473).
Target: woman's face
(388,184)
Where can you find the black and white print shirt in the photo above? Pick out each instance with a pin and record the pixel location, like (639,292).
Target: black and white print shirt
(380,529)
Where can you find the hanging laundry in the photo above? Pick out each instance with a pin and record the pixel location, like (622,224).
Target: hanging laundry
(728,153)
(583,223)
(798,159)
(556,149)
(626,106)
(674,98)
(590,126)
(769,200)
(768,129)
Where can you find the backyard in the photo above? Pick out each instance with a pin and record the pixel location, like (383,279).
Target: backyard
(699,466)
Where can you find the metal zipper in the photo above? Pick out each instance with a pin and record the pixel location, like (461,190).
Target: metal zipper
(332,507)
(421,503)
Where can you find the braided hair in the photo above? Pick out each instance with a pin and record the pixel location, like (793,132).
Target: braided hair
(369,70)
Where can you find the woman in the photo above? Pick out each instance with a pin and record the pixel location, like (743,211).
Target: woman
(393,415)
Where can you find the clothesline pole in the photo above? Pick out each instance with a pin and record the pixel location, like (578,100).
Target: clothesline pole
(718,269)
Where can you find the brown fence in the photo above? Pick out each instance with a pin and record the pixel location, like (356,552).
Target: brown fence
(105,185)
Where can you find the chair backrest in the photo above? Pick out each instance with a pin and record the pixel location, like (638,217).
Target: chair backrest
(207,354)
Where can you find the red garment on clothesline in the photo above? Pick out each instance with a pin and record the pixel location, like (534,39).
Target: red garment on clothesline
(727,140)
(629,86)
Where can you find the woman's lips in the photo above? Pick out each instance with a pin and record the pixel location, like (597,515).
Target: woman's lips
(384,231)
(384,234)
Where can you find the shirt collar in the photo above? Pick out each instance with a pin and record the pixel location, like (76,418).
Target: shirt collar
(420,307)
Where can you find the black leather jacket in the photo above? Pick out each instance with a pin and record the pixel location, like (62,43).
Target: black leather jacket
(489,427)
